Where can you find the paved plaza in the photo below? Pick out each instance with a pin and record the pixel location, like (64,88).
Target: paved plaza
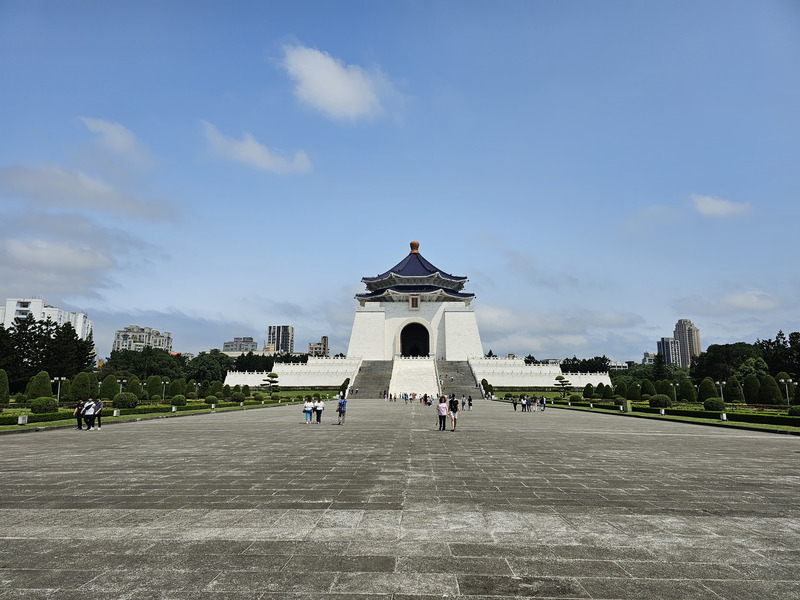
(256,504)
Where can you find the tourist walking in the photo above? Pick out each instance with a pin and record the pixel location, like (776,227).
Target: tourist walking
(453,411)
(308,407)
(88,414)
(524,404)
(469,403)
(514,402)
(98,412)
(341,407)
(319,406)
(463,402)
(441,412)
(79,413)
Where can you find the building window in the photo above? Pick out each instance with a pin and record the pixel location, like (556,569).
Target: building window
(413,302)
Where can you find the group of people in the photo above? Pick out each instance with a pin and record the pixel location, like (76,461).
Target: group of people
(530,404)
(447,408)
(89,412)
(312,409)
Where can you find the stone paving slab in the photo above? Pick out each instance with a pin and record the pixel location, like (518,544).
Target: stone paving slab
(258,505)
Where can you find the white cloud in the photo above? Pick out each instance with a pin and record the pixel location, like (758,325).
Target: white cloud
(55,186)
(748,301)
(709,206)
(48,254)
(119,140)
(340,91)
(248,151)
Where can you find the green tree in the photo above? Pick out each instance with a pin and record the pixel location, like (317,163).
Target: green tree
(608,392)
(213,365)
(648,388)
(659,368)
(66,391)
(751,388)
(39,386)
(176,387)
(721,361)
(708,389)
(80,387)
(134,387)
(733,391)
(4,391)
(686,391)
(621,389)
(796,400)
(226,391)
(769,392)
(94,385)
(588,390)
(634,392)
(109,388)
(246,390)
(153,386)
(752,366)
(272,382)
(216,388)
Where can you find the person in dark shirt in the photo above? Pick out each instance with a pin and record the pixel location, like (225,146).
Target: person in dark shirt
(453,406)
(79,413)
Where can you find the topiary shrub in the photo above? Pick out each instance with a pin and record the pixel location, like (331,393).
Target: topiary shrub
(714,404)
(660,401)
(43,405)
(575,398)
(155,398)
(645,397)
(238,397)
(179,400)
(125,400)
(274,397)
(258,396)
(211,399)
(191,395)
(794,411)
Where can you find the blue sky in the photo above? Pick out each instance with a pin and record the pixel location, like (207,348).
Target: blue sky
(597,169)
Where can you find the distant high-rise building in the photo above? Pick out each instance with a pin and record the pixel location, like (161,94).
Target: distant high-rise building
(22,307)
(687,337)
(240,344)
(649,358)
(137,338)
(668,347)
(320,348)
(281,337)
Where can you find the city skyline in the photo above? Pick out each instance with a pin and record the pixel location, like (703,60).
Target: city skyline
(253,164)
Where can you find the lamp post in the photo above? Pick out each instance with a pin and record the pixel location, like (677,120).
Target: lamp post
(786,383)
(676,387)
(164,383)
(720,384)
(60,379)
(121,383)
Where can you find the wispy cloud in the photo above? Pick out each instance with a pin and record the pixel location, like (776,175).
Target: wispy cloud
(744,301)
(338,90)
(57,187)
(709,206)
(248,151)
(120,141)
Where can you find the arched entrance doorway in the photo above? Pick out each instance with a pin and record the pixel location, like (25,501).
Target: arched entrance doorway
(414,340)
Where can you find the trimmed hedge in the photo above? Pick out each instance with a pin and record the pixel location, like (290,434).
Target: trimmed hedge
(125,400)
(179,400)
(44,404)
(717,404)
(660,401)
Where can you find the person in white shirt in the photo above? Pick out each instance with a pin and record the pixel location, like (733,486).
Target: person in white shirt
(319,406)
(308,408)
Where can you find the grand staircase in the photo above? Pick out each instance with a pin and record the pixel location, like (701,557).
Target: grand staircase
(457,378)
(372,379)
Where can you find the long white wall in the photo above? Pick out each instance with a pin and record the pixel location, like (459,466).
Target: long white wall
(513,372)
(452,329)
(317,372)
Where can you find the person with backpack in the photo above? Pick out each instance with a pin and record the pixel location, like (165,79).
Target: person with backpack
(341,409)
(88,414)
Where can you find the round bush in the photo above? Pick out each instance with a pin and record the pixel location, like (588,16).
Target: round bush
(794,411)
(274,397)
(258,396)
(211,399)
(660,401)
(179,400)
(191,396)
(43,405)
(575,398)
(155,398)
(715,404)
(125,400)
(237,397)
